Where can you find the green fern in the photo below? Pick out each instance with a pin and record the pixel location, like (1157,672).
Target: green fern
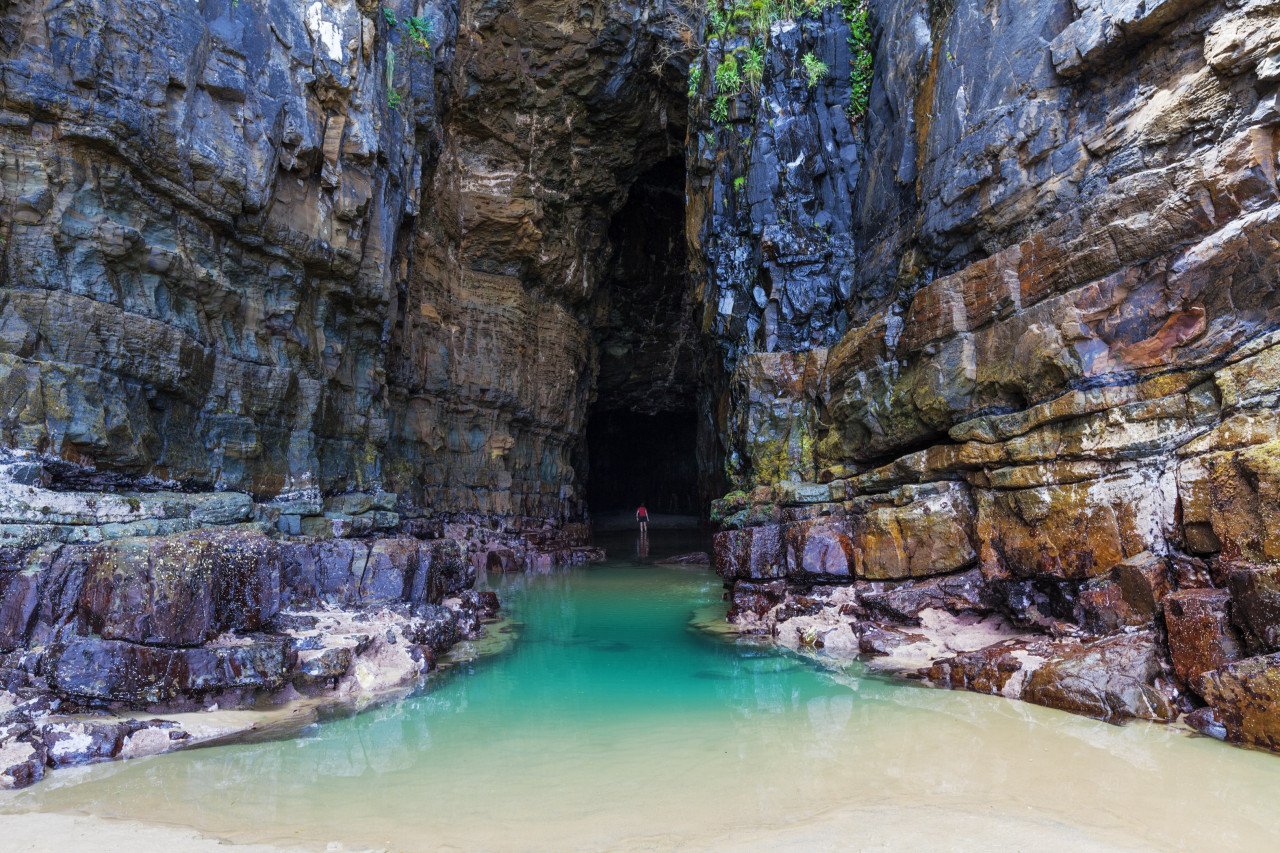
(862,62)
(420,32)
(814,68)
(695,78)
(753,67)
(720,109)
(728,79)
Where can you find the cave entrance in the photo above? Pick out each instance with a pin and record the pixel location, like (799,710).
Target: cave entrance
(648,439)
(643,458)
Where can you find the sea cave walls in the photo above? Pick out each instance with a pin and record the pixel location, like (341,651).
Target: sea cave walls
(299,250)
(560,108)
(201,208)
(301,308)
(1050,405)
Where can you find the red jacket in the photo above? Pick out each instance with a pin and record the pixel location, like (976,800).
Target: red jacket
(642,514)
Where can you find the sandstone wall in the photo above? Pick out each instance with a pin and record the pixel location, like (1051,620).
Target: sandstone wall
(1063,322)
(288,248)
(201,206)
(559,108)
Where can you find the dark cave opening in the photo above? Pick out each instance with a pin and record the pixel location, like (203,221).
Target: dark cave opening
(646,436)
(649,459)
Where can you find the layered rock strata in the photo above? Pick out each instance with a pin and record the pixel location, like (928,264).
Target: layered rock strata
(1054,413)
(285,248)
(300,309)
(214,617)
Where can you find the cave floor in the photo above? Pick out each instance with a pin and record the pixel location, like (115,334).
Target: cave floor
(619,720)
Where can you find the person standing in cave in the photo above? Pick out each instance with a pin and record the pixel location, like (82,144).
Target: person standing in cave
(642,516)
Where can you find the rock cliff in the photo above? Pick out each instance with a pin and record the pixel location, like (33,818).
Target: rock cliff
(301,306)
(1054,405)
(973,306)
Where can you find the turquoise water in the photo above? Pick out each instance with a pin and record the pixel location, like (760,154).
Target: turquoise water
(615,723)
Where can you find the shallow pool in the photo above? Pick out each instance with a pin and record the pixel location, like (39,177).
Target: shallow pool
(615,723)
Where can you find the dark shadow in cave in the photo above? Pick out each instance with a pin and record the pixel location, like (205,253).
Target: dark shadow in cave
(648,429)
(643,458)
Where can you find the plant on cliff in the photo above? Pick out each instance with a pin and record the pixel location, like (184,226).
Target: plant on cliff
(393,97)
(728,78)
(814,68)
(720,109)
(420,32)
(695,78)
(861,59)
(418,27)
(753,66)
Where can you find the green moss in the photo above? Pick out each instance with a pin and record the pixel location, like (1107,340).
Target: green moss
(725,508)
(777,459)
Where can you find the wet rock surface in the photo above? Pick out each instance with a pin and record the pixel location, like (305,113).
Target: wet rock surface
(215,618)
(302,317)
(1049,404)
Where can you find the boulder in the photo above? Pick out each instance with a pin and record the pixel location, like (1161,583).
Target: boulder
(326,570)
(1000,669)
(1111,679)
(389,572)
(1144,582)
(180,590)
(1255,605)
(132,673)
(1245,698)
(755,598)
(818,547)
(1201,637)
(156,590)
(795,493)
(73,742)
(1244,503)
(1103,609)
(20,595)
(914,533)
(443,571)
(904,602)
(752,553)
(1073,531)
(22,761)
(323,665)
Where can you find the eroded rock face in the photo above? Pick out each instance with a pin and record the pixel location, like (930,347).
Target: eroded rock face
(1110,680)
(1245,698)
(202,204)
(1058,344)
(558,108)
